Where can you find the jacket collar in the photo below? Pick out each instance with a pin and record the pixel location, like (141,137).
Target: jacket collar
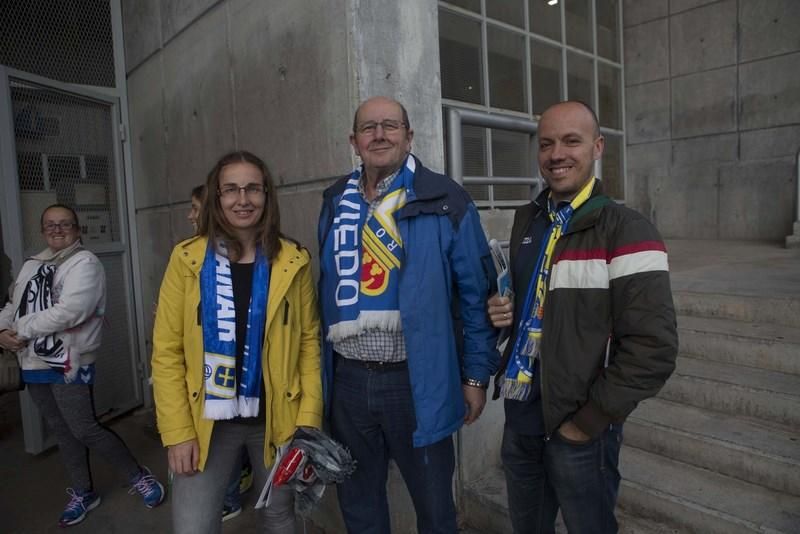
(421,190)
(50,255)
(585,217)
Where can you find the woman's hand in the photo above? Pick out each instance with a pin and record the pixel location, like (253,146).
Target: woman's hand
(501,311)
(10,341)
(184,458)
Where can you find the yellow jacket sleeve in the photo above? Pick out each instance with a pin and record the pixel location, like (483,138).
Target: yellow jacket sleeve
(310,412)
(173,411)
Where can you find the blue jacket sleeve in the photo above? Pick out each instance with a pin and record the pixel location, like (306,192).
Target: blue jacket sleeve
(474,275)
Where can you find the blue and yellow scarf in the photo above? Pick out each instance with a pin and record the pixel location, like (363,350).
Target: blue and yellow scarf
(364,257)
(225,396)
(527,345)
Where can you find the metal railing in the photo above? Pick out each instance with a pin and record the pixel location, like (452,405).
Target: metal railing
(457,118)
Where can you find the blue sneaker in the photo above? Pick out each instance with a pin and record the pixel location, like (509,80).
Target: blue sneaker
(80,504)
(146,485)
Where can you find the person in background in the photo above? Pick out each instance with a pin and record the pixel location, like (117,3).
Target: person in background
(198,193)
(236,353)
(54,322)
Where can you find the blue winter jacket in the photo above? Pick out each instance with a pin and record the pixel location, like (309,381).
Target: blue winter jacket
(444,284)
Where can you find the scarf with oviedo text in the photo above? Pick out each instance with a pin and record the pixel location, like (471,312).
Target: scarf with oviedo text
(527,345)
(364,258)
(225,396)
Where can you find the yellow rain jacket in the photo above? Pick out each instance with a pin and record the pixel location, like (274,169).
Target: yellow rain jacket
(290,356)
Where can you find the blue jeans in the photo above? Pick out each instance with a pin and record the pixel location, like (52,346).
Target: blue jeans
(580,478)
(372,414)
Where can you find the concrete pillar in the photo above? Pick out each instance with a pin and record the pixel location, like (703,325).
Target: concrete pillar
(395,52)
(793,241)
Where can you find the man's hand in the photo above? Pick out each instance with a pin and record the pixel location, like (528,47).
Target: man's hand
(571,432)
(10,341)
(475,398)
(501,311)
(184,458)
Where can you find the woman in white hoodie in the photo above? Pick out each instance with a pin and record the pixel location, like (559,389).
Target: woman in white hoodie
(54,323)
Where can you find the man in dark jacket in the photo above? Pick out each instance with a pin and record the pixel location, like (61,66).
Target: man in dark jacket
(593,333)
(401,249)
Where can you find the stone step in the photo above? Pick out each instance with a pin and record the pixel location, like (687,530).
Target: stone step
(485,510)
(759,345)
(691,499)
(739,447)
(736,390)
(754,309)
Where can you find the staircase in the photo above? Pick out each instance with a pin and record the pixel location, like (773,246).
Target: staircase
(718,451)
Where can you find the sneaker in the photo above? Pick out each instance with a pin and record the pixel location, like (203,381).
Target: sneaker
(80,504)
(230,511)
(245,479)
(146,485)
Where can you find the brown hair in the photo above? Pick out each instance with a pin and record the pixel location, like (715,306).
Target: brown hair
(198,192)
(213,223)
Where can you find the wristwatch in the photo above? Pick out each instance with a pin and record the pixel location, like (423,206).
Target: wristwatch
(475,383)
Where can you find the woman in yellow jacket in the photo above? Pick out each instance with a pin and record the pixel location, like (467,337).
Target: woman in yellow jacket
(236,358)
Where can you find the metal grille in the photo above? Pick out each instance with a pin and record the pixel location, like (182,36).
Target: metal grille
(65,154)
(511,158)
(66,40)
(115,391)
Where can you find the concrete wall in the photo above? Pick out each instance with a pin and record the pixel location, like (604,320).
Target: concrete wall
(713,115)
(281,79)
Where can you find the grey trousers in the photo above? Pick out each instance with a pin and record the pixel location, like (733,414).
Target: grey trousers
(197,499)
(69,413)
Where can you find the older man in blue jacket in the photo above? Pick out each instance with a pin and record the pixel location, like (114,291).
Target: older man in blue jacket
(408,348)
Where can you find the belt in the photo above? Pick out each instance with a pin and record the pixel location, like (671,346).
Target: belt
(374,366)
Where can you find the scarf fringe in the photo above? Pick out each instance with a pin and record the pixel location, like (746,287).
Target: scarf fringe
(248,406)
(384,320)
(515,390)
(217,409)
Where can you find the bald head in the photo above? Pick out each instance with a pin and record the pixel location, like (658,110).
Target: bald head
(578,107)
(569,144)
(381,100)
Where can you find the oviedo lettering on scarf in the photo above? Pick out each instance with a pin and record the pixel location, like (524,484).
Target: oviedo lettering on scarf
(364,255)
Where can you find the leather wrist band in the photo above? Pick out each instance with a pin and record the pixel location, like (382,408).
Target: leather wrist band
(475,383)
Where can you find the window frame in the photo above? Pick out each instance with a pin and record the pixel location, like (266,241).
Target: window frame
(564,49)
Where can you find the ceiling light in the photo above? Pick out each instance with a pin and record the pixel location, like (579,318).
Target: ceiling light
(552,2)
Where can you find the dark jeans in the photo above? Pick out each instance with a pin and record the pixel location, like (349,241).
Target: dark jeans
(543,475)
(372,414)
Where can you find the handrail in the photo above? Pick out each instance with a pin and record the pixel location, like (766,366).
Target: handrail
(456,118)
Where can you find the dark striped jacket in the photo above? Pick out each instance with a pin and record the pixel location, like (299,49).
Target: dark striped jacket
(609,334)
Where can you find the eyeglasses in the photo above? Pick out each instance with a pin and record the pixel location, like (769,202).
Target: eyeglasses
(388,125)
(51,227)
(251,190)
